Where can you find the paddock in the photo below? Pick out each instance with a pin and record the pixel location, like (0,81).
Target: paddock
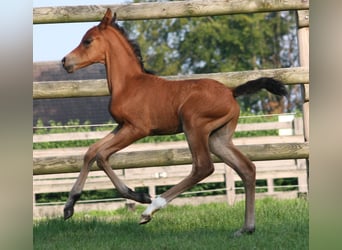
(173,156)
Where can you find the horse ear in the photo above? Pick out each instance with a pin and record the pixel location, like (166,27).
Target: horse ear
(106,20)
(114,18)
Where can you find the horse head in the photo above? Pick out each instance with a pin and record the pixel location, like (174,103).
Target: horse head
(92,48)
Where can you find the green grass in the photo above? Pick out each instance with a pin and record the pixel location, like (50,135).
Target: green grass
(280,224)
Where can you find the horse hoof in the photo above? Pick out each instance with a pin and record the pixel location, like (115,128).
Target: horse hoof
(68,212)
(238,233)
(145,219)
(244,231)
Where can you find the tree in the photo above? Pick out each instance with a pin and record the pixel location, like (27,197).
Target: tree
(220,44)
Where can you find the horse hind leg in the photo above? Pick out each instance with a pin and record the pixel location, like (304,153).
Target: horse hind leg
(201,168)
(198,173)
(221,145)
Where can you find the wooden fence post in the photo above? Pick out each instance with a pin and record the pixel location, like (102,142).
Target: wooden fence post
(270,186)
(152,190)
(230,185)
(303,41)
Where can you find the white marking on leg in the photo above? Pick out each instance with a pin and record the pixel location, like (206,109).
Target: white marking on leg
(156,204)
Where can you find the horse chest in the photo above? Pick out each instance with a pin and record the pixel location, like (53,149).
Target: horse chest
(116,111)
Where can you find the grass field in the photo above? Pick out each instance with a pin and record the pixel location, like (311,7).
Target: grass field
(280,224)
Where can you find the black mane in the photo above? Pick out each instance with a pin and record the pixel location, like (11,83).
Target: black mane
(134,45)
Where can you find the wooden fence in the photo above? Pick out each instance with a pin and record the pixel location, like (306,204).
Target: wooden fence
(68,163)
(82,88)
(70,160)
(160,10)
(165,175)
(151,178)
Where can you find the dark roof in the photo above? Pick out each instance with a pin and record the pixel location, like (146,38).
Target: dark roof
(93,109)
(53,71)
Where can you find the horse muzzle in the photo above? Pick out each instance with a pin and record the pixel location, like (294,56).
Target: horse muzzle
(69,67)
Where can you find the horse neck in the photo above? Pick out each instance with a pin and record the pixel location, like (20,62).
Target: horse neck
(121,64)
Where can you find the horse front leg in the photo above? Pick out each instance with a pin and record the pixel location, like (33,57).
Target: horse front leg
(77,188)
(123,137)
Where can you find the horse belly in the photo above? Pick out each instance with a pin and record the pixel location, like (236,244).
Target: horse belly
(166,126)
(165,122)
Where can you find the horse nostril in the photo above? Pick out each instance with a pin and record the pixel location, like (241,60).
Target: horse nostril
(68,66)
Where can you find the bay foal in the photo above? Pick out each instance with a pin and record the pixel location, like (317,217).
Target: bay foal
(144,104)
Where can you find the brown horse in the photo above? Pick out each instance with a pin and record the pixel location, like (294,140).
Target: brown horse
(144,104)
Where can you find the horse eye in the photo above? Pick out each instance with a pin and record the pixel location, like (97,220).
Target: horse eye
(87,41)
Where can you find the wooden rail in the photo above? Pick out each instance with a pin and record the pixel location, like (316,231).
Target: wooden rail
(166,157)
(82,88)
(158,176)
(158,10)
(70,160)
(161,176)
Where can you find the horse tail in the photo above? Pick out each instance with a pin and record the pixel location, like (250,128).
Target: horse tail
(272,85)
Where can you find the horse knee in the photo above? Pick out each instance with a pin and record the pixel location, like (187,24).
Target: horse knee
(100,160)
(90,154)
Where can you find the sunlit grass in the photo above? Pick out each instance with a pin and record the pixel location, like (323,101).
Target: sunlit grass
(281,224)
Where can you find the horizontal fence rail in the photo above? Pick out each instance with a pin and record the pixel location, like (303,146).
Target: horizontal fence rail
(151,178)
(159,10)
(166,157)
(83,88)
(160,176)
